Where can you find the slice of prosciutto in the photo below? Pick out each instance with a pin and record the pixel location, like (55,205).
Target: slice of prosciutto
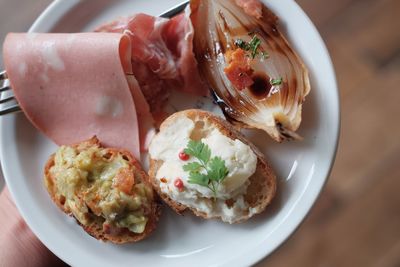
(73,86)
(162,55)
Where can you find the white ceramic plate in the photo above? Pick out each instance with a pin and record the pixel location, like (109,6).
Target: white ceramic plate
(302,167)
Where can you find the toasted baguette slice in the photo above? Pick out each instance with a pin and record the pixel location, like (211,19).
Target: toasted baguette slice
(262,186)
(94,221)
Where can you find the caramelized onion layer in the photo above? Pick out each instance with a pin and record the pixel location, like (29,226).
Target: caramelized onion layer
(273,100)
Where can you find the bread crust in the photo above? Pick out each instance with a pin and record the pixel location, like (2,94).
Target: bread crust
(262,187)
(95,229)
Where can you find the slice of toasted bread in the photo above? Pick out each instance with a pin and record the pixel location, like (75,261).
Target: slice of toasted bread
(95,227)
(262,186)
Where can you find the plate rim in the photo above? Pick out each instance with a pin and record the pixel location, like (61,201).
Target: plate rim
(61,7)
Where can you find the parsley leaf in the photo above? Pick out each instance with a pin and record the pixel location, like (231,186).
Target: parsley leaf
(254,44)
(198,178)
(276,81)
(242,44)
(192,167)
(251,46)
(217,171)
(208,172)
(199,150)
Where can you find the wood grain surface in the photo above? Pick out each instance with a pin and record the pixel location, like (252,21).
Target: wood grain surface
(356,221)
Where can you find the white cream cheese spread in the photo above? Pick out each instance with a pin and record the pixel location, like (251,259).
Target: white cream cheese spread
(239,158)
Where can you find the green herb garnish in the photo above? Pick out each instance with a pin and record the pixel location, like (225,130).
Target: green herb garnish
(251,46)
(242,44)
(276,81)
(207,171)
(254,44)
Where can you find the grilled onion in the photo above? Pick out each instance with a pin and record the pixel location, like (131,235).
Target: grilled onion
(266,88)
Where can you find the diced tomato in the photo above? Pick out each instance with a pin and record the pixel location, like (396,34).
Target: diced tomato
(124,180)
(239,71)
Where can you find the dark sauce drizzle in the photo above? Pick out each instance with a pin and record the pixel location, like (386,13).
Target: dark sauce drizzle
(261,86)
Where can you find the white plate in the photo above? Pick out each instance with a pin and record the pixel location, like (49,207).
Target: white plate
(302,167)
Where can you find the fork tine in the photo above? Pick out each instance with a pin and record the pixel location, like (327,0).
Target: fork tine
(5,88)
(10,109)
(3,75)
(7,99)
(175,10)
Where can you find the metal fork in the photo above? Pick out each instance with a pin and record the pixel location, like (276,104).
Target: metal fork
(8,103)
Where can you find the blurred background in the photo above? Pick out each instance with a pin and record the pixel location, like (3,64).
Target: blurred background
(356,221)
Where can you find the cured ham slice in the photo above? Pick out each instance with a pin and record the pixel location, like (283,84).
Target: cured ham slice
(179,36)
(153,64)
(162,55)
(73,86)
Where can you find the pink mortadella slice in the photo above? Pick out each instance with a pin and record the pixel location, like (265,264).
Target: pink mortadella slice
(145,119)
(73,86)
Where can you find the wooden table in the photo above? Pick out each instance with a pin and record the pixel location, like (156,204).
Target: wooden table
(356,221)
